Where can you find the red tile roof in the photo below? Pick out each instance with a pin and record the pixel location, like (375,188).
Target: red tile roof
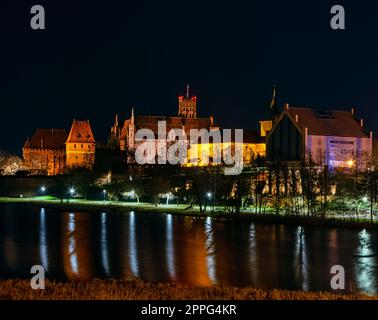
(80,132)
(47,139)
(340,123)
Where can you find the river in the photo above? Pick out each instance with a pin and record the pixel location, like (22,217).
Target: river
(194,251)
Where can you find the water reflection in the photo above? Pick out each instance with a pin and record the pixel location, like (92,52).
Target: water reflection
(193,251)
(77,249)
(43,251)
(301,261)
(104,245)
(366,263)
(253,253)
(210,260)
(170,248)
(133,253)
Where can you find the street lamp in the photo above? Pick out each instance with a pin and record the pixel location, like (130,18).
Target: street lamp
(365,199)
(104,192)
(43,189)
(209,195)
(72,191)
(169,195)
(133,195)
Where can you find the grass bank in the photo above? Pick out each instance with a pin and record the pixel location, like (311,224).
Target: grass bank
(331,221)
(139,290)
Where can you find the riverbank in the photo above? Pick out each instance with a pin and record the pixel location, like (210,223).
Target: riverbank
(140,290)
(79,205)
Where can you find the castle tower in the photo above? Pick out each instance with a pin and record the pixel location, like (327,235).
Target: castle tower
(115,132)
(187,105)
(131,130)
(80,145)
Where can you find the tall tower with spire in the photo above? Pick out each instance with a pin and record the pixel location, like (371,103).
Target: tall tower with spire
(274,112)
(273,107)
(115,132)
(187,105)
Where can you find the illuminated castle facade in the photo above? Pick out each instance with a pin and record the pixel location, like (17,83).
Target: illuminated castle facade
(52,151)
(123,136)
(80,145)
(335,138)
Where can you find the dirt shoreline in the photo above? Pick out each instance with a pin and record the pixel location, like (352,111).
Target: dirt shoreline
(97,289)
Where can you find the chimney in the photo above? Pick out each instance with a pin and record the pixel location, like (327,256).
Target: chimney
(362,122)
(296,118)
(352,111)
(286,106)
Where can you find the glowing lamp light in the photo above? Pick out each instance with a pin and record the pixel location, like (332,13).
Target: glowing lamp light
(72,191)
(365,199)
(43,189)
(350,163)
(209,195)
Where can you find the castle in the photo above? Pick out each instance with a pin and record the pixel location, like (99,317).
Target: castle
(52,151)
(123,136)
(291,135)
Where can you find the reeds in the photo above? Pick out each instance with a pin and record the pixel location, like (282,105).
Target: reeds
(139,290)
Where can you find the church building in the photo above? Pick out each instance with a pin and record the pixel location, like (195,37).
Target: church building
(336,138)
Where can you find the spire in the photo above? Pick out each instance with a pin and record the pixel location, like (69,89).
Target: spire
(116,120)
(273,107)
(273,101)
(187,91)
(132,115)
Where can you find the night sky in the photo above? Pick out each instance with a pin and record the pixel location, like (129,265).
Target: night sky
(98,58)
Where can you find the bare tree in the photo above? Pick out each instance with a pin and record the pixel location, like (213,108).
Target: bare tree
(9,163)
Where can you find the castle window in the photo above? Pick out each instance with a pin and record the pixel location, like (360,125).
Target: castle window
(74,145)
(82,146)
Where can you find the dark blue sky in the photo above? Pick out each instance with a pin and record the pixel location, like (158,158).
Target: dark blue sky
(96,58)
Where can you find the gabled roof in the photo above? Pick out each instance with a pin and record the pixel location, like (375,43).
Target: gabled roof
(47,139)
(340,123)
(80,132)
